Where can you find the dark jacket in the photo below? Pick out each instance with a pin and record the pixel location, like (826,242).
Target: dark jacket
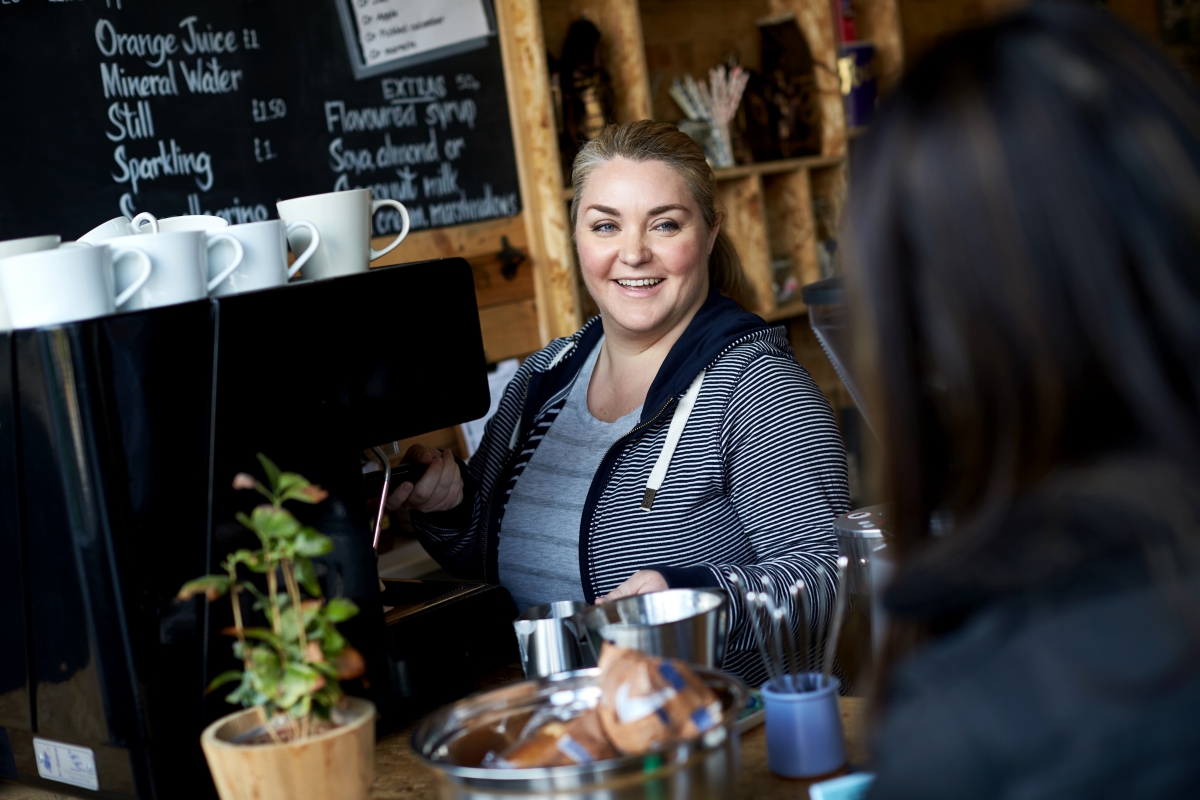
(753,485)
(1075,672)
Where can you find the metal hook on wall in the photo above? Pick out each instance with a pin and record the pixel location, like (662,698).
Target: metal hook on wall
(510,258)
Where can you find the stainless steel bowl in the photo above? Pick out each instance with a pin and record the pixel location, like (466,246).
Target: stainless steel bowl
(688,624)
(454,740)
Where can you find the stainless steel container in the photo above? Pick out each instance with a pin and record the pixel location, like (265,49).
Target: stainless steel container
(454,740)
(688,624)
(861,538)
(549,646)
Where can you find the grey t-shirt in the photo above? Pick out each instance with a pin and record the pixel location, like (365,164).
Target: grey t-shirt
(539,535)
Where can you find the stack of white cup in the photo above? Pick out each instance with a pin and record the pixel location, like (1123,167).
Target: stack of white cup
(127,265)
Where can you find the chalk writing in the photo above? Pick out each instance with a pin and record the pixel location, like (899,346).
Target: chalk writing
(169,161)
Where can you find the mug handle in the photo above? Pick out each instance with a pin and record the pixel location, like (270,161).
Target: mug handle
(303,258)
(396,204)
(140,281)
(239,253)
(145,216)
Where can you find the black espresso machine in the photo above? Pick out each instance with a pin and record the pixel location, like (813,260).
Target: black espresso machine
(119,439)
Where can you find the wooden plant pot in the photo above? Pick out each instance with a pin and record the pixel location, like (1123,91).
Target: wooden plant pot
(339,763)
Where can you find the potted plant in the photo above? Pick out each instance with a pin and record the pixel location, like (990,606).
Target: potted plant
(299,736)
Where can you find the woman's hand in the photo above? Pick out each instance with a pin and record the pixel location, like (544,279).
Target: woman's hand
(439,489)
(643,581)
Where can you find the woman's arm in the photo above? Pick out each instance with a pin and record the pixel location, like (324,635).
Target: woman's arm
(454,537)
(785,468)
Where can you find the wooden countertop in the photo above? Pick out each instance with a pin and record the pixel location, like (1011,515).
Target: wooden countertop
(400,775)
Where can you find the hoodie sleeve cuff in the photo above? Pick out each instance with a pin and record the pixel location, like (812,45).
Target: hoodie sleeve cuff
(459,517)
(686,577)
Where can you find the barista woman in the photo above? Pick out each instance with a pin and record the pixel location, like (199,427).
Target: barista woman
(672,441)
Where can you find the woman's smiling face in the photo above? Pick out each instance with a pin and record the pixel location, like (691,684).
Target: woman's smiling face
(643,246)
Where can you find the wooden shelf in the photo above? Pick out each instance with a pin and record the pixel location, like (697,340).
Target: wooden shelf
(774,167)
(760,168)
(792,308)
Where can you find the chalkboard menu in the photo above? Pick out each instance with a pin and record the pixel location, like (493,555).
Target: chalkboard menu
(226,106)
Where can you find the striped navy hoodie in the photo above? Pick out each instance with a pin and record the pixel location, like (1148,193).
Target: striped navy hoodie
(736,465)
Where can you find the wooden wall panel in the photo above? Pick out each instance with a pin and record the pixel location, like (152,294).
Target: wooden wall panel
(476,239)
(830,183)
(742,205)
(692,37)
(790,226)
(878,21)
(531,112)
(624,52)
(509,330)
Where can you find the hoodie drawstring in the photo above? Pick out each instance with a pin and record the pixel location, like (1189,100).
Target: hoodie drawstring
(674,433)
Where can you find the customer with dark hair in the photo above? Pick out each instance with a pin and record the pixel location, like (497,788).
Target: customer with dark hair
(1026,271)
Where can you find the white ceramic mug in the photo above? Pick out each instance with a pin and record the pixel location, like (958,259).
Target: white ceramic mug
(184,222)
(344,219)
(15,247)
(118,226)
(266,246)
(29,244)
(180,266)
(52,287)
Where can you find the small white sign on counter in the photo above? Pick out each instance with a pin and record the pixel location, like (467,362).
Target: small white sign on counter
(66,763)
(498,380)
(394,29)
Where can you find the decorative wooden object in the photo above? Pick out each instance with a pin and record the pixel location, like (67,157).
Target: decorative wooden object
(340,763)
(623,51)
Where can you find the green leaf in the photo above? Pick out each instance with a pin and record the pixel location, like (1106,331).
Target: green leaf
(272,472)
(306,576)
(275,524)
(298,681)
(264,635)
(288,481)
(327,669)
(339,609)
(224,678)
(261,601)
(302,708)
(265,671)
(211,586)
(332,642)
(251,559)
(310,543)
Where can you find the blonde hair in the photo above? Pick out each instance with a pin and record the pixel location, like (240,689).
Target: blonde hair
(647,140)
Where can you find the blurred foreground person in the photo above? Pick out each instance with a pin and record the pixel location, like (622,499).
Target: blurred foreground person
(1026,274)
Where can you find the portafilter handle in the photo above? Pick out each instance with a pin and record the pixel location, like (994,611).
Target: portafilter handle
(387,485)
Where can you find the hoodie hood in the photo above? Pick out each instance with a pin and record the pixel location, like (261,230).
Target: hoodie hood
(718,324)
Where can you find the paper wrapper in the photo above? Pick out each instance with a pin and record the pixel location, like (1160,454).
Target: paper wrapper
(647,703)
(557,744)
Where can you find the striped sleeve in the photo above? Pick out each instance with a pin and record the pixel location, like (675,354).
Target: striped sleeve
(785,468)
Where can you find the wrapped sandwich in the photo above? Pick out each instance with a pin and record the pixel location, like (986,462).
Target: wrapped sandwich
(647,703)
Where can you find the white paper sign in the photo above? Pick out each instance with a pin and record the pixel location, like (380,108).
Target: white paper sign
(392,29)
(66,763)
(497,382)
